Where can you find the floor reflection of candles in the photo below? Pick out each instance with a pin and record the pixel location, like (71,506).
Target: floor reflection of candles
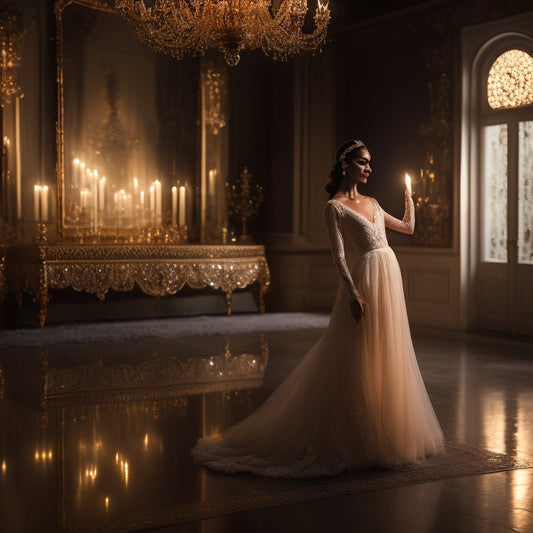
(494,420)
(138,453)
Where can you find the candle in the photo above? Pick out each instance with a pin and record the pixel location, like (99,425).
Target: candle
(182,213)
(94,194)
(17,158)
(76,173)
(135,188)
(174,205)
(211,184)
(101,193)
(152,203)
(83,198)
(44,204)
(82,175)
(36,199)
(121,201)
(157,185)
(142,207)
(408,184)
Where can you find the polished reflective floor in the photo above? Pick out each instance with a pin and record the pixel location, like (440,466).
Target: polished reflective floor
(96,437)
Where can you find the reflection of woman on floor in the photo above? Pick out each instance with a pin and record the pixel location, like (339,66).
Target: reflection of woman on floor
(357,399)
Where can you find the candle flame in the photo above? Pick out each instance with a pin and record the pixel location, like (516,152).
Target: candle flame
(408,183)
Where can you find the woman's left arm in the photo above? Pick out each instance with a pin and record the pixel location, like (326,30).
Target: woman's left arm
(407,224)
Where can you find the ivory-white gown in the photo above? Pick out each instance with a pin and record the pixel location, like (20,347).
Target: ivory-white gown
(357,399)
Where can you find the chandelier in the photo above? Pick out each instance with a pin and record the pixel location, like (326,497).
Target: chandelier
(180,27)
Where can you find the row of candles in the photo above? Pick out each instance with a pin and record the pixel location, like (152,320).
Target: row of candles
(96,202)
(92,190)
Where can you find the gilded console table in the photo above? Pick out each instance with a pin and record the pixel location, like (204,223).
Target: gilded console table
(158,270)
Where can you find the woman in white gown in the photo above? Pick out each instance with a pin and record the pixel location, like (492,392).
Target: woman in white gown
(357,399)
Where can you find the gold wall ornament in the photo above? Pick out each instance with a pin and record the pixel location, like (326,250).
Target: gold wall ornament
(191,27)
(215,88)
(12,33)
(244,199)
(214,150)
(158,270)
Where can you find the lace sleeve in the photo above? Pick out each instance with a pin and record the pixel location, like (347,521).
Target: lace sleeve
(336,242)
(407,224)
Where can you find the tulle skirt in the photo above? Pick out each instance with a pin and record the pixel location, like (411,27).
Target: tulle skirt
(355,401)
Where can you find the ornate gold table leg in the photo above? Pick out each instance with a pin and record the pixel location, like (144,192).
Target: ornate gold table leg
(42,297)
(228,303)
(263,288)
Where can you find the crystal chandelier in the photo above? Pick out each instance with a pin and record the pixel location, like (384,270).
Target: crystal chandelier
(180,27)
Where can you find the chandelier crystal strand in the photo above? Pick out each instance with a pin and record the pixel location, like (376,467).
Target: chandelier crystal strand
(183,27)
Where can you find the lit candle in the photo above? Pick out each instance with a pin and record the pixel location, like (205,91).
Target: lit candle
(408,184)
(141,200)
(83,198)
(211,184)
(94,194)
(82,175)
(157,185)
(121,201)
(44,204)
(182,213)
(36,199)
(174,205)
(152,203)
(101,193)
(76,173)
(17,158)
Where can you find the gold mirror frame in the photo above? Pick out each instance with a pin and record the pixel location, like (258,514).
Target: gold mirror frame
(145,125)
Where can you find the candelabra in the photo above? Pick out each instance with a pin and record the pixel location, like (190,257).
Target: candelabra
(41,230)
(244,200)
(432,209)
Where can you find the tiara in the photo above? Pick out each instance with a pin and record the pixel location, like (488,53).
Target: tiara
(356,144)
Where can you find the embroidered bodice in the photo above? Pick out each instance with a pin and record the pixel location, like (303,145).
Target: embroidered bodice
(351,234)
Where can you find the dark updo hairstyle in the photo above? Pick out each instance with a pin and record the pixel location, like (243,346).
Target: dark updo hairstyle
(346,152)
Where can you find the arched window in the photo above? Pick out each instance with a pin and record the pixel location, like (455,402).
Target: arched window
(507,158)
(497,174)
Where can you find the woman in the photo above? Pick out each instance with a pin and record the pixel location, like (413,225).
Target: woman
(357,399)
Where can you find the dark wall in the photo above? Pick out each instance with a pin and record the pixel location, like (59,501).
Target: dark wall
(261,135)
(382,99)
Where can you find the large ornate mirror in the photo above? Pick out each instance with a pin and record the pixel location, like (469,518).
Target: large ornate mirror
(129,141)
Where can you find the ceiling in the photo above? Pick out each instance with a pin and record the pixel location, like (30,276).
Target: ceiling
(348,12)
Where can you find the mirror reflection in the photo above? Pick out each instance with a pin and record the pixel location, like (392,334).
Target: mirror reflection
(130,129)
